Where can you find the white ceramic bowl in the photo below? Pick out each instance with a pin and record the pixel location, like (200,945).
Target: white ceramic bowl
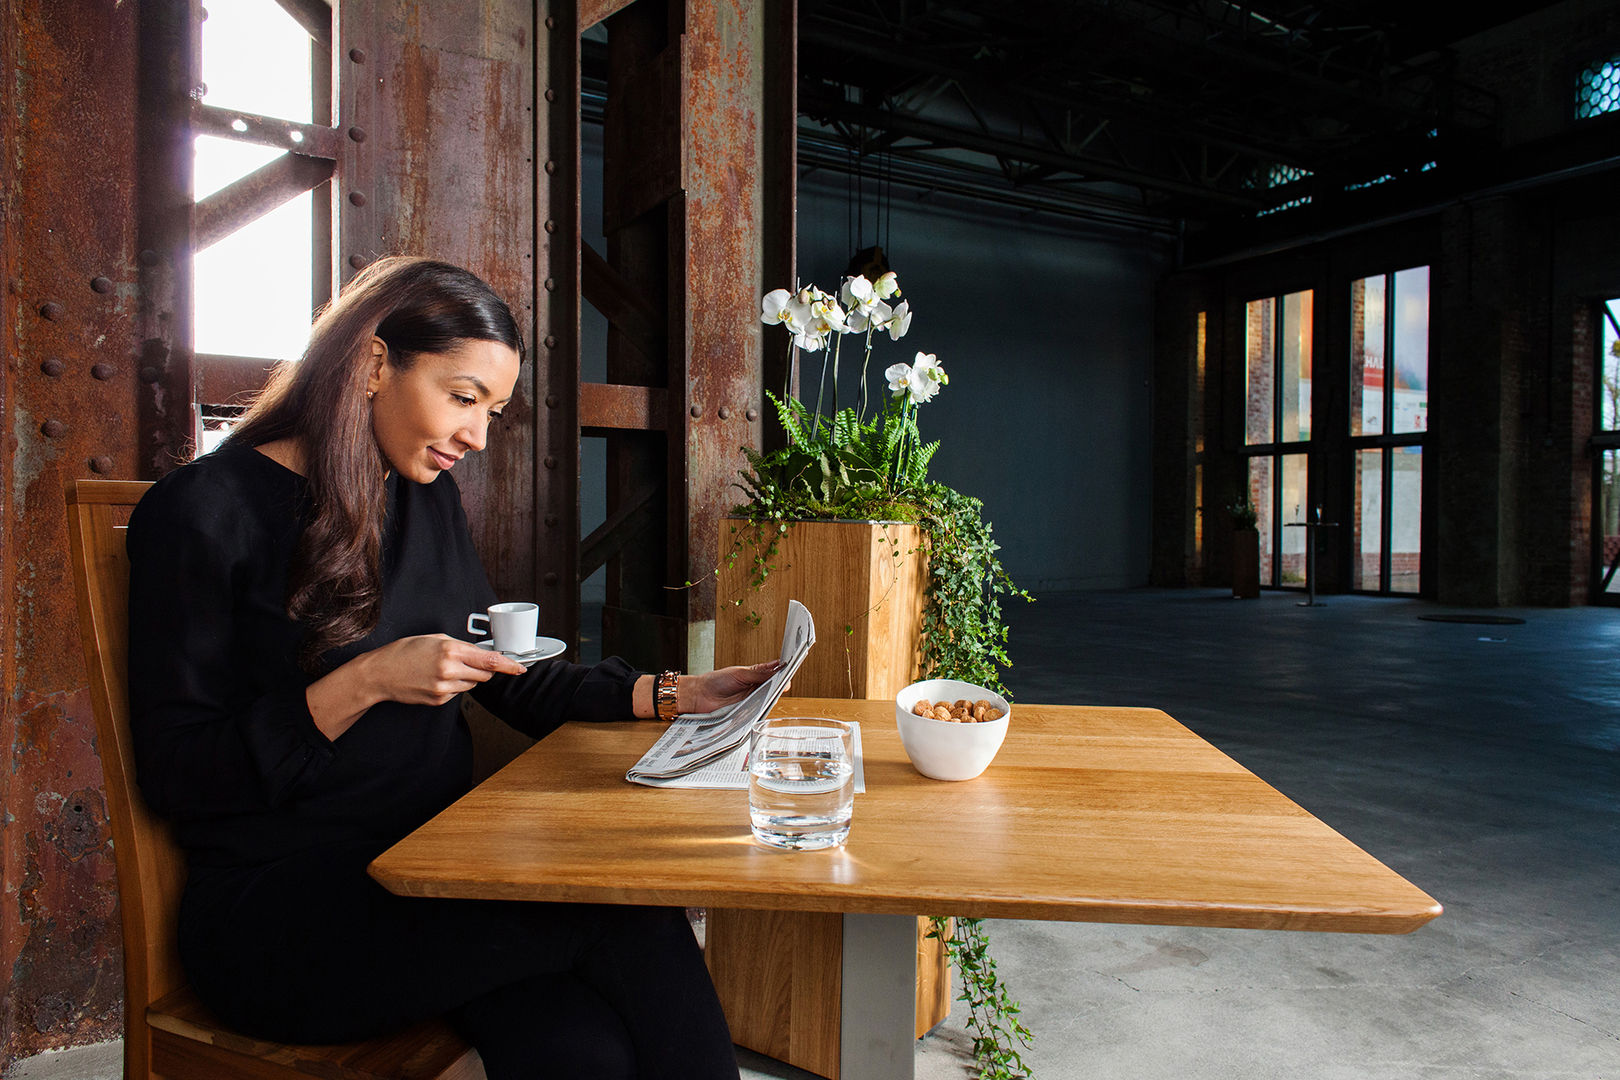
(944,750)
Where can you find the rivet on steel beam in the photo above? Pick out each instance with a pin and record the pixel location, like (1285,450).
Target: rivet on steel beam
(357,134)
(357,55)
(148,257)
(697,411)
(752,414)
(101,284)
(53,429)
(724,412)
(357,261)
(103,372)
(101,464)
(551,226)
(551,521)
(551,95)
(551,577)
(551,22)
(551,401)
(550,462)
(551,284)
(358,198)
(551,341)
(51,310)
(53,367)
(151,374)
(551,167)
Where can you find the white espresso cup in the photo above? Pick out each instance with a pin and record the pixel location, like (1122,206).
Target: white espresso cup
(513,626)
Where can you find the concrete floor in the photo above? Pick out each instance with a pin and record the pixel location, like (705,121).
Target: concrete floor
(1482,762)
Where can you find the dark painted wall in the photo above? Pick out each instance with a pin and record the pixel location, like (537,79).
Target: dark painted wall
(1046,330)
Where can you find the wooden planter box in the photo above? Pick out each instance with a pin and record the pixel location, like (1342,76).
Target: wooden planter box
(863,582)
(777,972)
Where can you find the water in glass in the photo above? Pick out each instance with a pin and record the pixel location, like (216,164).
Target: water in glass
(801,785)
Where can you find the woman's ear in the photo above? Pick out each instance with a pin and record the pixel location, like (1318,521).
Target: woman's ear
(379,360)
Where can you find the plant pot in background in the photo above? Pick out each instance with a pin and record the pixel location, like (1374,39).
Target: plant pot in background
(1246,564)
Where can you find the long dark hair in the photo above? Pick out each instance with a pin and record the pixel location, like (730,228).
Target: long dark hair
(415,306)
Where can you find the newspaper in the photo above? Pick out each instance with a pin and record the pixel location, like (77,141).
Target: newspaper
(716,744)
(731,771)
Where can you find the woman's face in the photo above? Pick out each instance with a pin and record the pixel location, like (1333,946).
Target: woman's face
(427,416)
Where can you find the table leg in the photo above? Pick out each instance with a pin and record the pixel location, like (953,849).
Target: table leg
(879,1000)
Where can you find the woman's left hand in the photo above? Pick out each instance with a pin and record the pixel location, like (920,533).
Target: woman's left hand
(717,689)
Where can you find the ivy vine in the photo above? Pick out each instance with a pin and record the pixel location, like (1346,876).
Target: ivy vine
(992,1022)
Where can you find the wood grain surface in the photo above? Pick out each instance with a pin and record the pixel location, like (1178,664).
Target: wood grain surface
(867,576)
(1087,814)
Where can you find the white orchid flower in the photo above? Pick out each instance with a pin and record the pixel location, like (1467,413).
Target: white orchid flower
(826,316)
(899,321)
(899,376)
(930,368)
(858,296)
(886,286)
(875,319)
(781,306)
(926,378)
(809,340)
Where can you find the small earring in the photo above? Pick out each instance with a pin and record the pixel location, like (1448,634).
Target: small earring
(370,394)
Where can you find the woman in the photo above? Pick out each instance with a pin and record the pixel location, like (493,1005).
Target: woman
(295,683)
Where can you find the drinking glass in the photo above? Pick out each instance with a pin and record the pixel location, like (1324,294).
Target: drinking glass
(801,782)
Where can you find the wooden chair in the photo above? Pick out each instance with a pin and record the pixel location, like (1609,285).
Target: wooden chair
(167,1032)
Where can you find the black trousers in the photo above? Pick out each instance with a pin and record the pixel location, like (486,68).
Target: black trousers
(311,949)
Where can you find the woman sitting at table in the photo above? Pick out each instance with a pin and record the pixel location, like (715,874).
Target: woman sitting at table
(295,683)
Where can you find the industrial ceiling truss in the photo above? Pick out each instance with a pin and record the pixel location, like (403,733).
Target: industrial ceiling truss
(1144,111)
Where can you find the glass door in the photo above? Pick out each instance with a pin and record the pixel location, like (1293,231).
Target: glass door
(1389,415)
(1606,457)
(1277,429)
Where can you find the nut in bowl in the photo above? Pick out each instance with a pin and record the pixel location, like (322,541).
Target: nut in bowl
(961,744)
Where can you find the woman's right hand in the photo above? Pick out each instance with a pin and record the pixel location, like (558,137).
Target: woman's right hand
(429,669)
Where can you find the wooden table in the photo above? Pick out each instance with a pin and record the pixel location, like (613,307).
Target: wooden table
(1087,814)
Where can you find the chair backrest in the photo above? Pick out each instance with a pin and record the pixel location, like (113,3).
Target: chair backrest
(151,867)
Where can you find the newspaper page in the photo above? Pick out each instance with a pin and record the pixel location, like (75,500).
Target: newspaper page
(699,741)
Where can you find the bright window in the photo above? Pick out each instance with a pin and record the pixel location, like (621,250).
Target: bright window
(1597,88)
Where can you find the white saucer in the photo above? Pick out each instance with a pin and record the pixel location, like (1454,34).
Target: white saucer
(544,649)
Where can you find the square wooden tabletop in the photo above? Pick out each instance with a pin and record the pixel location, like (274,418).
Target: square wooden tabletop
(1087,814)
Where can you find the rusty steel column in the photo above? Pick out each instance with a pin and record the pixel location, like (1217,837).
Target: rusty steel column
(732,76)
(436,106)
(555,463)
(686,214)
(84,302)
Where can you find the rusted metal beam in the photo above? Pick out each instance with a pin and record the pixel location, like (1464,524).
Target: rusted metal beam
(724,103)
(643,619)
(71,327)
(436,103)
(170,57)
(556,306)
(634,515)
(592,12)
(315,16)
(310,140)
(614,406)
(644,119)
(625,308)
(230,380)
(254,195)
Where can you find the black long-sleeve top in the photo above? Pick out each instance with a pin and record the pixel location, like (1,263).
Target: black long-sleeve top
(224,741)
